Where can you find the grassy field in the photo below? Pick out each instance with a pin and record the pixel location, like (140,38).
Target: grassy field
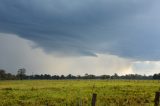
(78,92)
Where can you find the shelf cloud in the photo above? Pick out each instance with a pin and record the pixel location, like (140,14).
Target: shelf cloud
(127,29)
(17,53)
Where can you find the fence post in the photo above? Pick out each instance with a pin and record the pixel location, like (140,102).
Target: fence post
(157,97)
(94,96)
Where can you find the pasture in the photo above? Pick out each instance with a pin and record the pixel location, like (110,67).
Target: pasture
(78,92)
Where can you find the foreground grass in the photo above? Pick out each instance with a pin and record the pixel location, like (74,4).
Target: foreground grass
(78,92)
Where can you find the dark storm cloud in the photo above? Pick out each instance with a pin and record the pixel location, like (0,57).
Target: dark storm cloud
(85,27)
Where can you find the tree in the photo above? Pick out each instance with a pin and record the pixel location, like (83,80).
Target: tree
(21,73)
(105,76)
(115,76)
(2,74)
(47,76)
(62,77)
(156,76)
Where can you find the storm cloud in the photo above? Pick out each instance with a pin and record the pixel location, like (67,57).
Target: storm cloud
(17,53)
(126,28)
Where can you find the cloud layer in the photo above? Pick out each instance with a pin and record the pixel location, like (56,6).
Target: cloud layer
(124,28)
(17,53)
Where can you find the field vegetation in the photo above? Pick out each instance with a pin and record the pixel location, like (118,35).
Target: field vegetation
(78,92)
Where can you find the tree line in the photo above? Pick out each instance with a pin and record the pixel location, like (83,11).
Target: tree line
(21,75)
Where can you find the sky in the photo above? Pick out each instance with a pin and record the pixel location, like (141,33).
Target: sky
(80,36)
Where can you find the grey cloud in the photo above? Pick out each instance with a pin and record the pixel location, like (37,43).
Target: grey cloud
(85,27)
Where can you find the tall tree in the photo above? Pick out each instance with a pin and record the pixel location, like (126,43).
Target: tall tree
(2,74)
(21,73)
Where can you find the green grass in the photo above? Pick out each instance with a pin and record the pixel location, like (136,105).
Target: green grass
(78,92)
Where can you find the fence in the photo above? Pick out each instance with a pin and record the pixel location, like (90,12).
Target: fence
(157,97)
(156,101)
